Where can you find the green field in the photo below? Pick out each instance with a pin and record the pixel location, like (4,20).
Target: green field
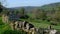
(43,24)
(5,28)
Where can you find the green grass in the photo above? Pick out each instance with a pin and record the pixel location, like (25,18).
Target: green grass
(42,24)
(13,32)
(5,28)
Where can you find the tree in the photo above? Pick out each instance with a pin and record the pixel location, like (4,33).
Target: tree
(22,11)
(1,7)
(39,13)
(55,18)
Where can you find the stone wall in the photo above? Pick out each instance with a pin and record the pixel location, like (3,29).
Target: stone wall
(5,18)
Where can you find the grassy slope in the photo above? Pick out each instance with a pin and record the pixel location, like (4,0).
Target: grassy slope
(3,26)
(6,29)
(42,24)
(36,23)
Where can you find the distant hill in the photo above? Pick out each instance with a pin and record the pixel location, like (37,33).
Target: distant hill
(27,8)
(50,6)
(44,7)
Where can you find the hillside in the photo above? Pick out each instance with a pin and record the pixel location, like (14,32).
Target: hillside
(51,6)
(38,17)
(45,7)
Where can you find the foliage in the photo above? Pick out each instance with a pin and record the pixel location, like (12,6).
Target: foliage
(6,29)
(1,7)
(39,17)
(13,32)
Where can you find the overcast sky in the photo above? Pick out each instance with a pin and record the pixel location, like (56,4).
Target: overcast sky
(17,3)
